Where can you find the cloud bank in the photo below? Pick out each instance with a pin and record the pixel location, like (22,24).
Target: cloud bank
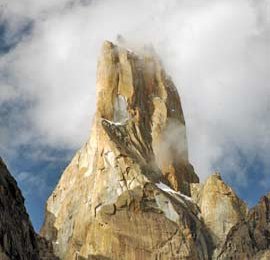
(217,53)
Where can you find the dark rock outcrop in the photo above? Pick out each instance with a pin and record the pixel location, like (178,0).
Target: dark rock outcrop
(17,236)
(18,240)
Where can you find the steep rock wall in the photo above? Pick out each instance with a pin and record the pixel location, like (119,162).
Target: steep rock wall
(108,202)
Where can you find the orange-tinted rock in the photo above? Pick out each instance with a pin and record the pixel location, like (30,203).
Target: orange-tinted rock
(108,202)
(250,238)
(125,194)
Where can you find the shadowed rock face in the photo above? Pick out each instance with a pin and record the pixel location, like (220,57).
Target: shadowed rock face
(18,240)
(118,197)
(17,236)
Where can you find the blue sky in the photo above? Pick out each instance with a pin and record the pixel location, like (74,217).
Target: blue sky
(217,53)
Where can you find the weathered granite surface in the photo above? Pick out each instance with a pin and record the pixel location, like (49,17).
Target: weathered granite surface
(118,198)
(130,191)
(250,238)
(220,207)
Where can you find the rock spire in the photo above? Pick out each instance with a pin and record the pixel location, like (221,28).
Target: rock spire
(123,196)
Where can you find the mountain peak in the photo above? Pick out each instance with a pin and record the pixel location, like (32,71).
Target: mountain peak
(136,99)
(138,140)
(130,191)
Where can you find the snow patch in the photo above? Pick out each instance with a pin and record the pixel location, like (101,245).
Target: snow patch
(166,206)
(113,122)
(185,196)
(166,188)
(121,114)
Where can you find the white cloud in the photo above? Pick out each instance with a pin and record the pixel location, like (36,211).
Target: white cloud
(216,51)
(8,93)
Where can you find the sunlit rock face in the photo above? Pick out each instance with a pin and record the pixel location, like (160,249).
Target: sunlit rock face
(18,240)
(122,196)
(130,191)
(220,207)
(233,231)
(250,238)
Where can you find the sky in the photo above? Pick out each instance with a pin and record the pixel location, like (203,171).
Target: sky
(217,53)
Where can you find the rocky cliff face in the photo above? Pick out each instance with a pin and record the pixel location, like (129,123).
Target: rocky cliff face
(130,191)
(220,207)
(17,235)
(18,241)
(250,238)
(234,232)
(118,198)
